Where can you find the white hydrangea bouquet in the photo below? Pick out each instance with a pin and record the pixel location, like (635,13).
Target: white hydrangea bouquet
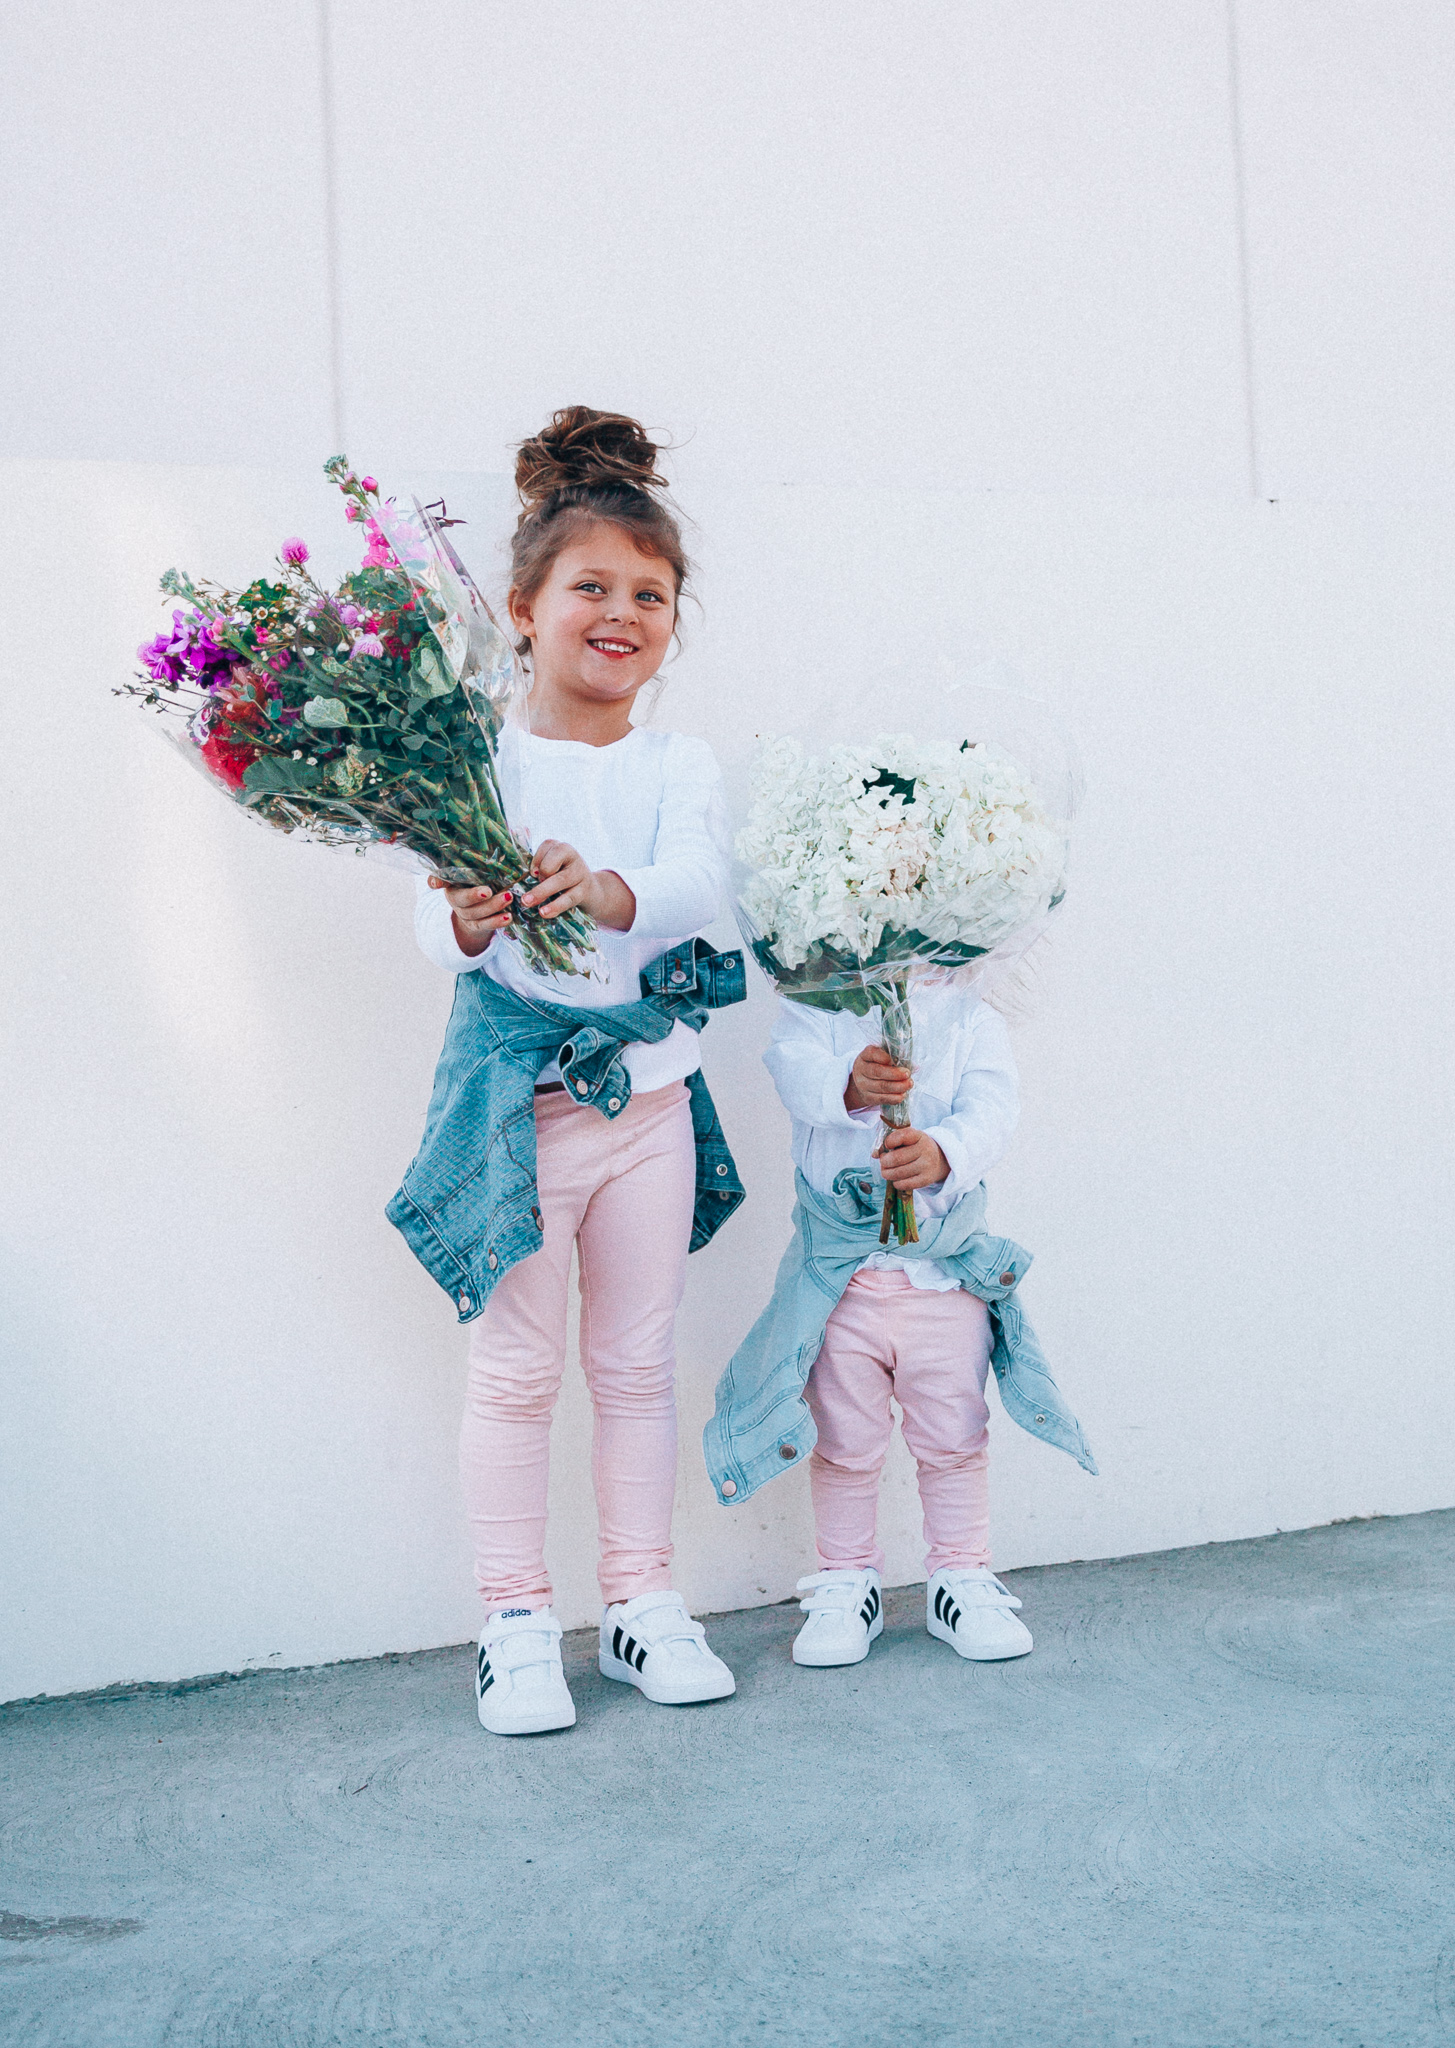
(878,862)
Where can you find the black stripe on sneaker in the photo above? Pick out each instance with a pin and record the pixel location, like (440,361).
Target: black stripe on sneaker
(616,1643)
(953,1615)
(874,1597)
(940,1605)
(486,1677)
(641,1657)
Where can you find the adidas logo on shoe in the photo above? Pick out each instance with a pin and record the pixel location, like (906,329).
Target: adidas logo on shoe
(520,1687)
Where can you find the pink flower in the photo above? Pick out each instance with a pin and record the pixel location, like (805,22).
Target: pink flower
(379,554)
(353,511)
(350,614)
(366,643)
(294,551)
(370,483)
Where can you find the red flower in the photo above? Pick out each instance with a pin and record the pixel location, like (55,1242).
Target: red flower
(228,761)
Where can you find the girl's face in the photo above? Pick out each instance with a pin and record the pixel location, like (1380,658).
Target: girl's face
(601,623)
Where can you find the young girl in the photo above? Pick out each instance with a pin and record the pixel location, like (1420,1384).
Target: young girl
(919,1322)
(626,825)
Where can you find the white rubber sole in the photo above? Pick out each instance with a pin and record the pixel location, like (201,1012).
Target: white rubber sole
(816,1662)
(709,1687)
(527,1721)
(945,1634)
(519,1718)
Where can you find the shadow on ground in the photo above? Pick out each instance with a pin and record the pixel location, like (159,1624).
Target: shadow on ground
(1214,1808)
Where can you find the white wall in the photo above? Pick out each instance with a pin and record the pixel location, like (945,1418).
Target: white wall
(947,307)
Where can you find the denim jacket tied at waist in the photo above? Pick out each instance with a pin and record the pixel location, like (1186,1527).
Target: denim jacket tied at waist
(468,1208)
(762,1424)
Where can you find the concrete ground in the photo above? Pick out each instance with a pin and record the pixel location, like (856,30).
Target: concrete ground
(1215,1807)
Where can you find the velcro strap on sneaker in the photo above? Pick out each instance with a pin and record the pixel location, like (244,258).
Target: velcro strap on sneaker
(514,1641)
(664,1620)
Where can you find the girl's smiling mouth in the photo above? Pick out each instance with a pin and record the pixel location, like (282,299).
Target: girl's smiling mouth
(617,650)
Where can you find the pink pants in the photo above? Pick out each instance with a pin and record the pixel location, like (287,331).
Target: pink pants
(623,1192)
(931,1352)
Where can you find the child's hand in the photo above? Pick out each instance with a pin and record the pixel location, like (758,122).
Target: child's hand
(564,880)
(875,1080)
(910,1159)
(478,915)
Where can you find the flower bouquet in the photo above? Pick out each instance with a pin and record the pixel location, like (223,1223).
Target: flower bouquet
(362,716)
(883,861)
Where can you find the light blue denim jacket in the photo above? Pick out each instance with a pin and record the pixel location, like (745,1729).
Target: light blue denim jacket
(762,1426)
(468,1208)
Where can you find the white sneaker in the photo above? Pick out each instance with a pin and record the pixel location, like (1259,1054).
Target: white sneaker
(845,1612)
(653,1643)
(972,1612)
(520,1688)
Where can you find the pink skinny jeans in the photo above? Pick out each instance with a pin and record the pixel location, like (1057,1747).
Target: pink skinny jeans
(931,1352)
(622,1192)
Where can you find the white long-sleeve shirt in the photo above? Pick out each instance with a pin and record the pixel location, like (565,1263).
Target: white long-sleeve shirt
(966,1097)
(650,807)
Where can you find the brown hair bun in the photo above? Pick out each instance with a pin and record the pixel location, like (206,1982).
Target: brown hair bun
(585,449)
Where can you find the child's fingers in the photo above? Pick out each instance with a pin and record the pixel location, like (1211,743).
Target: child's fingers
(550,896)
(471,900)
(479,906)
(552,855)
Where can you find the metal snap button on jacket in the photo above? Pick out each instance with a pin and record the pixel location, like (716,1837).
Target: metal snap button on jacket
(615,1102)
(787,1451)
(580,1087)
(723,1172)
(1008,1279)
(491,1261)
(678,976)
(464,1304)
(730,1487)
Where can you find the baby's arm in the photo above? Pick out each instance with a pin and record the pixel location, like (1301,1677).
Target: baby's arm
(982,1119)
(808,1072)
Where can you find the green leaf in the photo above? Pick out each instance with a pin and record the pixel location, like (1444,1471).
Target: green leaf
(430,676)
(854,999)
(280,775)
(897,785)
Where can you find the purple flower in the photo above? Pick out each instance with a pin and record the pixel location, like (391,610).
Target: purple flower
(204,651)
(366,643)
(350,614)
(155,658)
(294,551)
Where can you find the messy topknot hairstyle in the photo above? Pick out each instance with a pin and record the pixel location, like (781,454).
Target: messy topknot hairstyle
(583,467)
